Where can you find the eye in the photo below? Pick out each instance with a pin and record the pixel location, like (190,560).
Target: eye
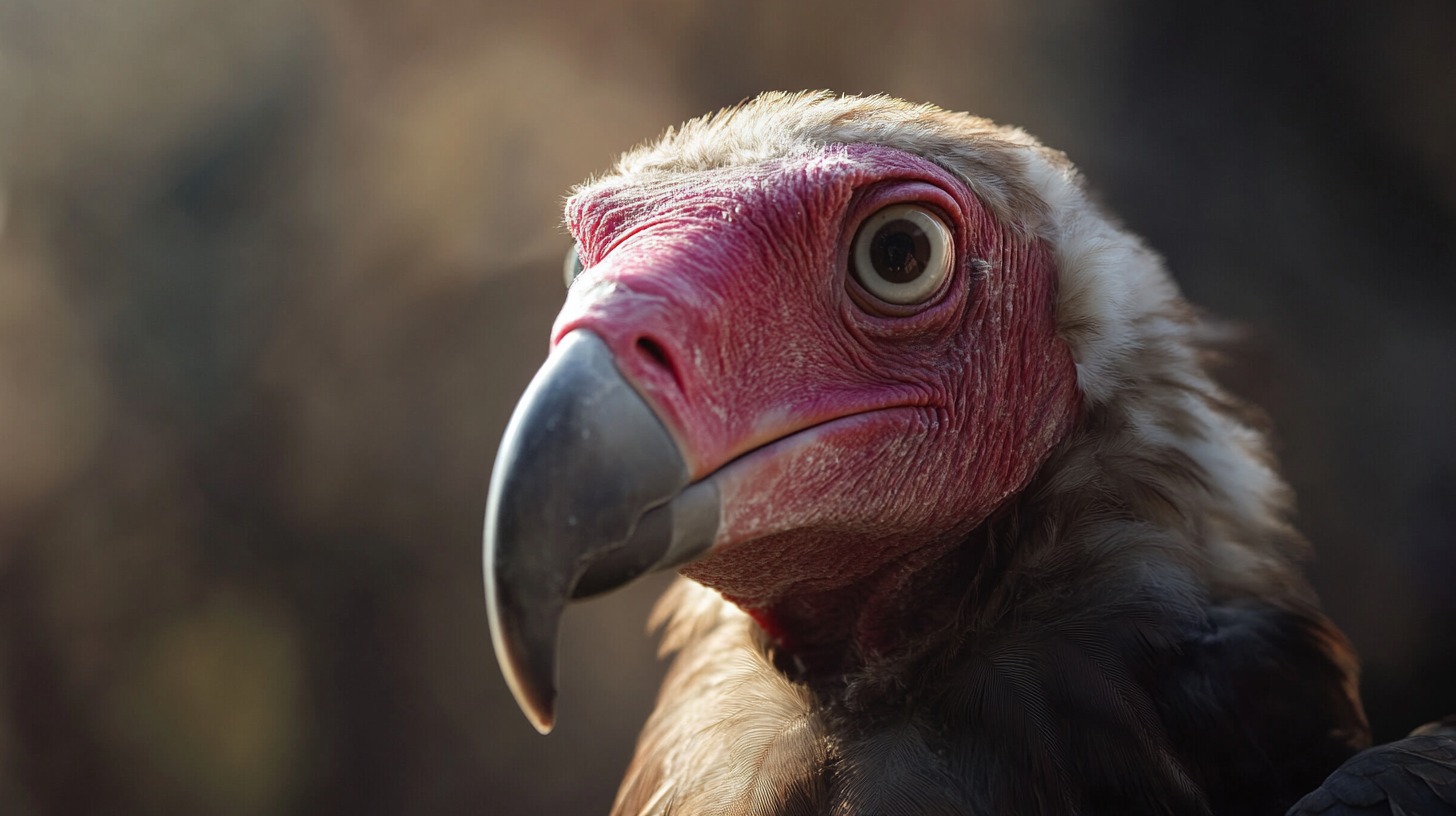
(902,254)
(572,266)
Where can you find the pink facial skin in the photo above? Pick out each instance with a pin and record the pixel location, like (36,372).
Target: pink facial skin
(855,444)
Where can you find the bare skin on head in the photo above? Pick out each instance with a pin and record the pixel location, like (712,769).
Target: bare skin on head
(743,271)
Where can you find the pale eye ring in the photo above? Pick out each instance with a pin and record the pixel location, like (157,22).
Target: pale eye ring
(572,266)
(902,254)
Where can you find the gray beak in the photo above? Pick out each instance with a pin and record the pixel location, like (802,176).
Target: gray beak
(589,492)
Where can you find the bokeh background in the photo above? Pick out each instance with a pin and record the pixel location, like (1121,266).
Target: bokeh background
(273,273)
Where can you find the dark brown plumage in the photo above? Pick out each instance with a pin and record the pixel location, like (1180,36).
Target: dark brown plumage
(1416,775)
(1066,684)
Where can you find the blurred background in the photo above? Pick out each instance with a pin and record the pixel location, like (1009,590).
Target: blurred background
(273,273)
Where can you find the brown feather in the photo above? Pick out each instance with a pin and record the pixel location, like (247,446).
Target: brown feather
(731,735)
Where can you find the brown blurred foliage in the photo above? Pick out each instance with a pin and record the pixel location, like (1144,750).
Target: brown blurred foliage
(273,273)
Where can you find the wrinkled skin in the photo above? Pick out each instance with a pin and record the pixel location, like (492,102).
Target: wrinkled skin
(727,303)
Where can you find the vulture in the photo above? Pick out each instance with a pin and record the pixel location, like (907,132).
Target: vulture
(963,524)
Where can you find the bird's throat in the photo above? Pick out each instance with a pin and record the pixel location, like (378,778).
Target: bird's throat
(821,634)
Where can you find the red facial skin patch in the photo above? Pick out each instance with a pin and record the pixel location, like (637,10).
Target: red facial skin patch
(855,445)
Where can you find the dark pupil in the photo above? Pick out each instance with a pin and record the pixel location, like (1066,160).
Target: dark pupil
(899,251)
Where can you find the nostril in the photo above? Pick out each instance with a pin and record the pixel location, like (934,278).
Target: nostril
(653,351)
(650,347)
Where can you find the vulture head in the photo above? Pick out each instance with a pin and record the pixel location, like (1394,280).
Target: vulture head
(902,401)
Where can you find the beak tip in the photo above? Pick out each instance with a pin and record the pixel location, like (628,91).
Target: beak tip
(533,689)
(524,637)
(537,702)
(544,719)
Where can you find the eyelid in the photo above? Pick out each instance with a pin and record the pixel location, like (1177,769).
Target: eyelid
(924,192)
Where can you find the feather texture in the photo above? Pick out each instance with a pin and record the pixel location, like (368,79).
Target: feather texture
(1088,673)
(730,734)
(1416,775)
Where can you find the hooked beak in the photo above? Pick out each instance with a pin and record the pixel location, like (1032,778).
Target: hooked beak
(589,491)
